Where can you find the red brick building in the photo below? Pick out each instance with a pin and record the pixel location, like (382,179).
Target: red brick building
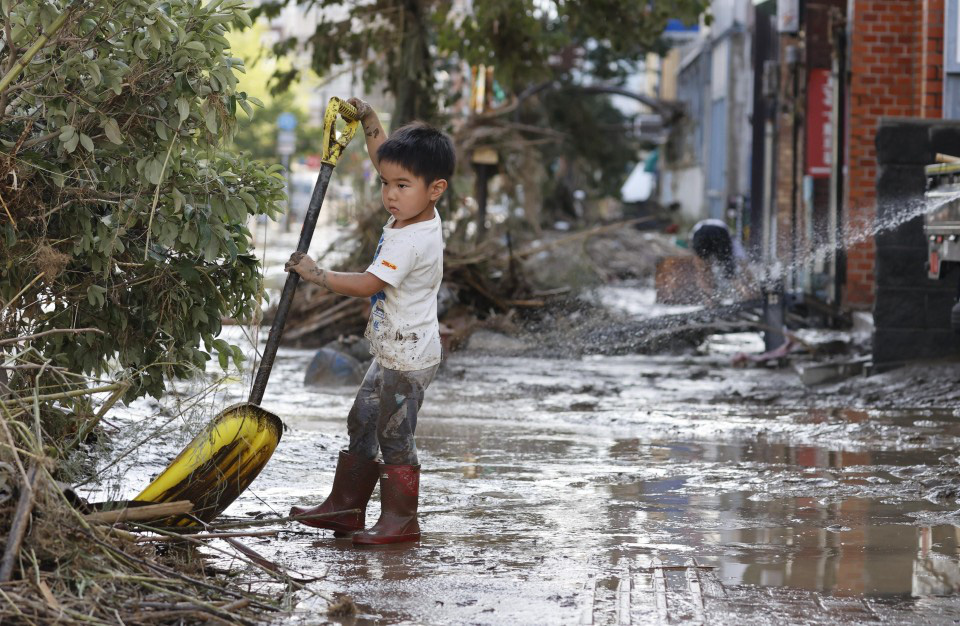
(884,58)
(896,70)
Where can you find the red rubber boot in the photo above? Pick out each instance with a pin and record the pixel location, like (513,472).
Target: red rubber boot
(353,483)
(399,492)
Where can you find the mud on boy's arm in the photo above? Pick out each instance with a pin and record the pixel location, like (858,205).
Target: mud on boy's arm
(354,284)
(372,128)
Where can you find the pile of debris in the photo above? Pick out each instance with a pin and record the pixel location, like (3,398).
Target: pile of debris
(70,562)
(496,283)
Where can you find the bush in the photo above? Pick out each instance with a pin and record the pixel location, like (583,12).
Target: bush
(121,210)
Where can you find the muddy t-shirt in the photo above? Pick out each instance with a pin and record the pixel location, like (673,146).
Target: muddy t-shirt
(403,330)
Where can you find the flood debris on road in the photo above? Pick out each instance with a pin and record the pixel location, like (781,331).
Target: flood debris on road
(811,507)
(632,420)
(63,564)
(78,560)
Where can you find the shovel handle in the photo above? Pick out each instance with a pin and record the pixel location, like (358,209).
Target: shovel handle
(290,287)
(333,145)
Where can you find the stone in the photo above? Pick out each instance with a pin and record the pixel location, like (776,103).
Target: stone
(332,368)
(491,342)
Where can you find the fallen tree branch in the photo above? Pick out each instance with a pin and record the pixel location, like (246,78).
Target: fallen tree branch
(583,234)
(269,566)
(203,536)
(140,513)
(326,319)
(55,331)
(252,557)
(280,520)
(87,428)
(21,520)
(167,571)
(32,51)
(71,394)
(180,606)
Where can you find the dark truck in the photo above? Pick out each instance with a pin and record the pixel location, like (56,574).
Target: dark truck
(941,225)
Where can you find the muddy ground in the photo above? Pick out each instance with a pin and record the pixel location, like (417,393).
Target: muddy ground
(619,489)
(567,482)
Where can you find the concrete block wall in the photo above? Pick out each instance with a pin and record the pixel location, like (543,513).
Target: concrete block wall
(911,312)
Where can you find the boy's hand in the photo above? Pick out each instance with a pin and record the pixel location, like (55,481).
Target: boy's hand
(372,129)
(363,108)
(300,263)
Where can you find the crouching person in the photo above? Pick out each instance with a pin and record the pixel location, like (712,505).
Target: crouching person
(414,163)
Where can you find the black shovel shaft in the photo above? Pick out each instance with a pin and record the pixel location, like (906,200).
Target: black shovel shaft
(293,279)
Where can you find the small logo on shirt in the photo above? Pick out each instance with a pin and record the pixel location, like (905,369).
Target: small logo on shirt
(388,264)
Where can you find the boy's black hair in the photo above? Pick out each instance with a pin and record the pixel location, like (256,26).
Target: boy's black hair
(424,150)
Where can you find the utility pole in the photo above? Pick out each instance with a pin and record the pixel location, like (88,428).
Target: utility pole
(484,164)
(484,158)
(286,146)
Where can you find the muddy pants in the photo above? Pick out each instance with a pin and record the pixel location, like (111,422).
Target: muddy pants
(384,415)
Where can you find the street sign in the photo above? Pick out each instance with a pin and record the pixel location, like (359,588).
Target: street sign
(286,142)
(286,121)
(819,123)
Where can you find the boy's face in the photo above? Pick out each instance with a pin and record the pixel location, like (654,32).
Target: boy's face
(406,196)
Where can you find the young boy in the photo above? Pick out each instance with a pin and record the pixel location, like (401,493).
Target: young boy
(414,163)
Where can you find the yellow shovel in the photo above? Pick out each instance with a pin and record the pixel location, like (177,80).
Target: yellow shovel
(224,459)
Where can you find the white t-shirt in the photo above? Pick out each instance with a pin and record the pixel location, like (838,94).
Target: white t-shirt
(403,330)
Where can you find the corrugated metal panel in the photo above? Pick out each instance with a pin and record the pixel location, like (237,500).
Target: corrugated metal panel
(951,61)
(690,88)
(717,162)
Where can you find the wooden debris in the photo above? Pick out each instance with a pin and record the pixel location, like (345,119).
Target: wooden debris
(679,280)
(582,234)
(279,520)
(21,519)
(140,513)
(48,597)
(696,591)
(623,596)
(207,536)
(660,589)
(487,277)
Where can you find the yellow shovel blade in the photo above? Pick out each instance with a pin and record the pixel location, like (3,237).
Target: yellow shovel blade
(219,463)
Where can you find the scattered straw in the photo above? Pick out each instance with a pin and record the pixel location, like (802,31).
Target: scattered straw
(51,262)
(342,606)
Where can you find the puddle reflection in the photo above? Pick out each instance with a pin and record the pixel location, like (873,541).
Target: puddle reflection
(843,546)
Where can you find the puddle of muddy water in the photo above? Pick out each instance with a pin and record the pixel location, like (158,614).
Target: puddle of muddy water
(636,300)
(543,475)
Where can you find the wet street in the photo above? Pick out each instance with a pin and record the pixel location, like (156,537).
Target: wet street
(616,490)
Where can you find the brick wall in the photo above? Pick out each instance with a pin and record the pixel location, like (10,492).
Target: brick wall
(931,60)
(885,58)
(783,156)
